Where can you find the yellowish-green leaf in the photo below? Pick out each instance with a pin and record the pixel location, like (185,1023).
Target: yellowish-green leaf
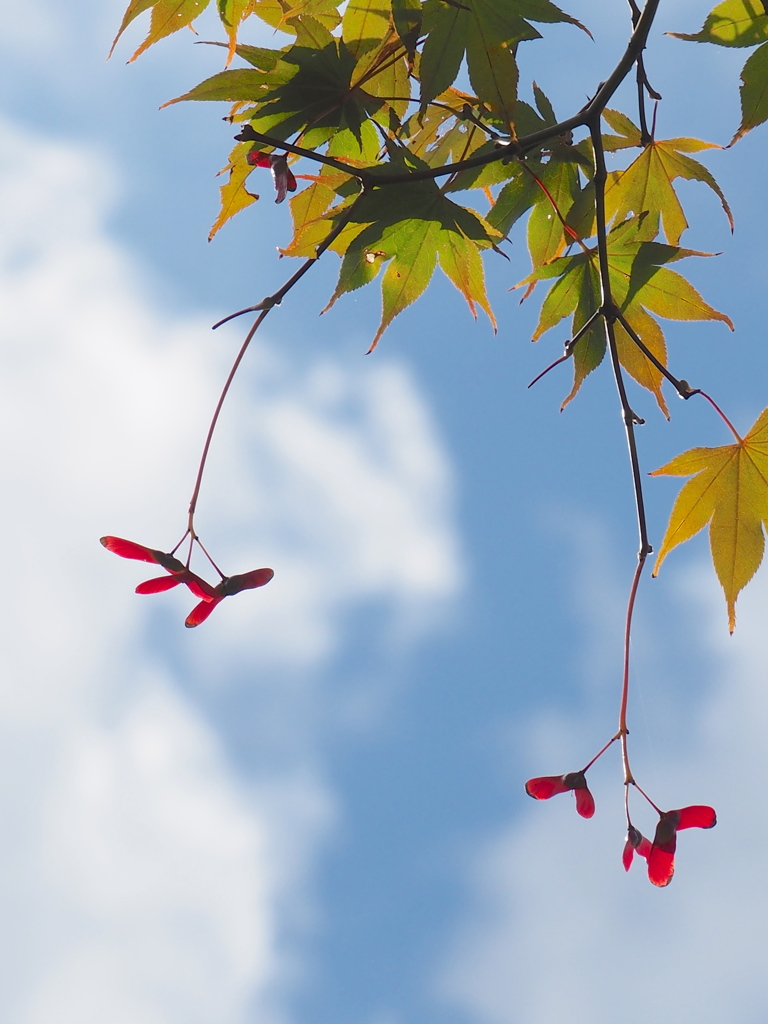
(628,132)
(312,214)
(646,185)
(733,23)
(408,229)
(234,195)
(237,85)
(754,92)
(493,74)
(634,360)
(546,237)
(730,493)
(462,264)
(135,8)
(365,24)
(233,13)
(590,348)
(168,16)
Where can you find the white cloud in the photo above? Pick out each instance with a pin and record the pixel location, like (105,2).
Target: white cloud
(142,877)
(556,931)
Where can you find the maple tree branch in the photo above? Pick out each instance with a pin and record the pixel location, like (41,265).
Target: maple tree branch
(608,307)
(249,134)
(508,149)
(682,387)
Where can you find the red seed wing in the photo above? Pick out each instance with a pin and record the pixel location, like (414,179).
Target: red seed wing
(247,581)
(158,585)
(200,613)
(585,802)
(697,816)
(545,787)
(129,549)
(661,865)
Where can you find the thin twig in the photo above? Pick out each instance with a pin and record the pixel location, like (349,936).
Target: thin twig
(682,387)
(265,307)
(569,346)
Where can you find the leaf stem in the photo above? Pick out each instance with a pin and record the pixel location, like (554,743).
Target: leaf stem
(720,413)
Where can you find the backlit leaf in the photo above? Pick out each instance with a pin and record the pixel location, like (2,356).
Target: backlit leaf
(409,229)
(646,185)
(232,14)
(168,16)
(234,195)
(730,493)
(135,8)
(733,23)
(754,92)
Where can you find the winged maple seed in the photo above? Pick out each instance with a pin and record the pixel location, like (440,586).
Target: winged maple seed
(661,857)
(547,786)
(729,491)
(209,595)
(636,843)
(282,175)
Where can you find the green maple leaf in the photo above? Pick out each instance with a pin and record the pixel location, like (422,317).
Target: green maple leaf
(729,491)
(646,185)
(733,23)
(410,230)
(485,31)
(642,286)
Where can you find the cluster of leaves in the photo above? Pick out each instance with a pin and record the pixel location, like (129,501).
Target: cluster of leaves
(367,94)
(403,171)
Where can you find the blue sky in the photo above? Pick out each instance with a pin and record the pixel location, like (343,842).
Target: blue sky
(311,808)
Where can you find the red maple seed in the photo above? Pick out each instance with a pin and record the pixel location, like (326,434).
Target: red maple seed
(179,572)
(228,586)
(661,858)
(282,175)
(636,844)
(547,786)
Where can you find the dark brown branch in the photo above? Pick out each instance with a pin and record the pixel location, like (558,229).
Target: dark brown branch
(508,150)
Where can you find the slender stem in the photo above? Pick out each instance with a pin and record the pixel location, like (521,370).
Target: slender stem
(623,730)
(215,418)
(600,753)
(630,419)
(720,413)
(264,308)
(569,346)
(643,793)
(207,555)
(681,386)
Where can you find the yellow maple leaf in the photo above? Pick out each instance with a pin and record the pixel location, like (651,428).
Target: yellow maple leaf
(730,493)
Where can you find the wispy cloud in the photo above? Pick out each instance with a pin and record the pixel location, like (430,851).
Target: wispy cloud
(556,931)
(146,870)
